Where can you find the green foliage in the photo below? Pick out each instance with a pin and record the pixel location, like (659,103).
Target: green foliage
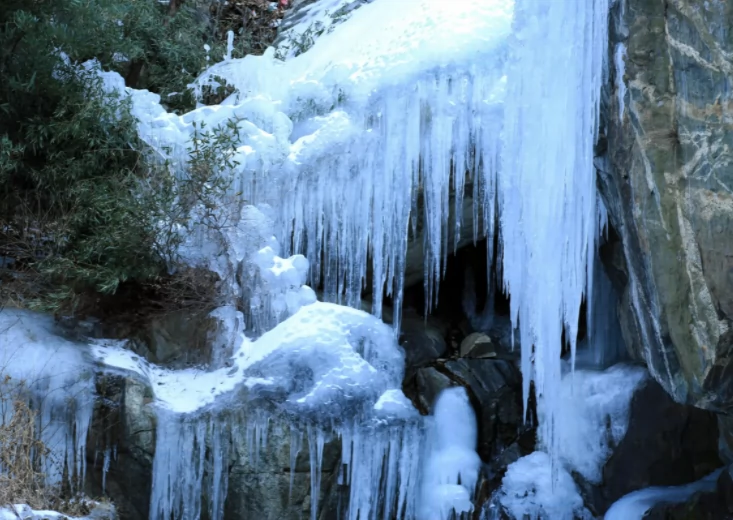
(168,48)
(79,203)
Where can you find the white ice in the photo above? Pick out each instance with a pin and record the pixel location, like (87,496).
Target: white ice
(593,416)
(530,490)
(25,512)
(451,469)
(619,56)
(547,190)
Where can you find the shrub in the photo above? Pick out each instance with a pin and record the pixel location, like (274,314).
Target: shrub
(80,205)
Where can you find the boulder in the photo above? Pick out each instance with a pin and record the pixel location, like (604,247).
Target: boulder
(121,444)
(430,383)
(478,346)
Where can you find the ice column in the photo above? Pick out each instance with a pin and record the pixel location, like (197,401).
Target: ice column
(452,465)
(547,188)
(180,466)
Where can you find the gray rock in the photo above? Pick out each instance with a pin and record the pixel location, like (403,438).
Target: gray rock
(261,489)
(478,346)
(123,424)
(422,339)
(179,339)
(430,383)
(666,179)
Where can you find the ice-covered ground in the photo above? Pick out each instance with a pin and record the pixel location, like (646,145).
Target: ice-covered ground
(635,505)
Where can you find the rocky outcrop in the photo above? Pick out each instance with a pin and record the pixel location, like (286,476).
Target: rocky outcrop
(667,180)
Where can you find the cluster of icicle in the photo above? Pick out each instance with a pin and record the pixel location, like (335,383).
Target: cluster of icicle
(391,469)
(379,463)
(353,174)
(549,213)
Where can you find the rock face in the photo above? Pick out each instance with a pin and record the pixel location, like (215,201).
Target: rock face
(122,438)
(666,178)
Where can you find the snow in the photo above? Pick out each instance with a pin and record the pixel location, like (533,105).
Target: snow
(328,370)
(24,512)
(451,470)
(530,490)
(634,505)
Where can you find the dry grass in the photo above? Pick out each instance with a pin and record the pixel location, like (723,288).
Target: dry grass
(21,482)
(22,454)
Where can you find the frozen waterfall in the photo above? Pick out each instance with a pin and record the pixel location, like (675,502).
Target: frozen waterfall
(350,153)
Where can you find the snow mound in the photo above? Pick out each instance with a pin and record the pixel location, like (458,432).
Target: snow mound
(326,360)
(528,491)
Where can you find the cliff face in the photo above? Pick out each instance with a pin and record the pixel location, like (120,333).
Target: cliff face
(666,177)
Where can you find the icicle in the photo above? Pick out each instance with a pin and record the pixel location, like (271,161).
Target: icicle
(316,440)
(230,45)
(296,444)
(218,477)
(180,464)
(105,470)
(547,191)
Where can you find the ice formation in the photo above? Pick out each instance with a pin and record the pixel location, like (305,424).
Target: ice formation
(549,214)
(452,464)
(348,139)
(58,385)
(369,138)
(533,489)
(593,416)
(619,56)
(635,505)
(328,371)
